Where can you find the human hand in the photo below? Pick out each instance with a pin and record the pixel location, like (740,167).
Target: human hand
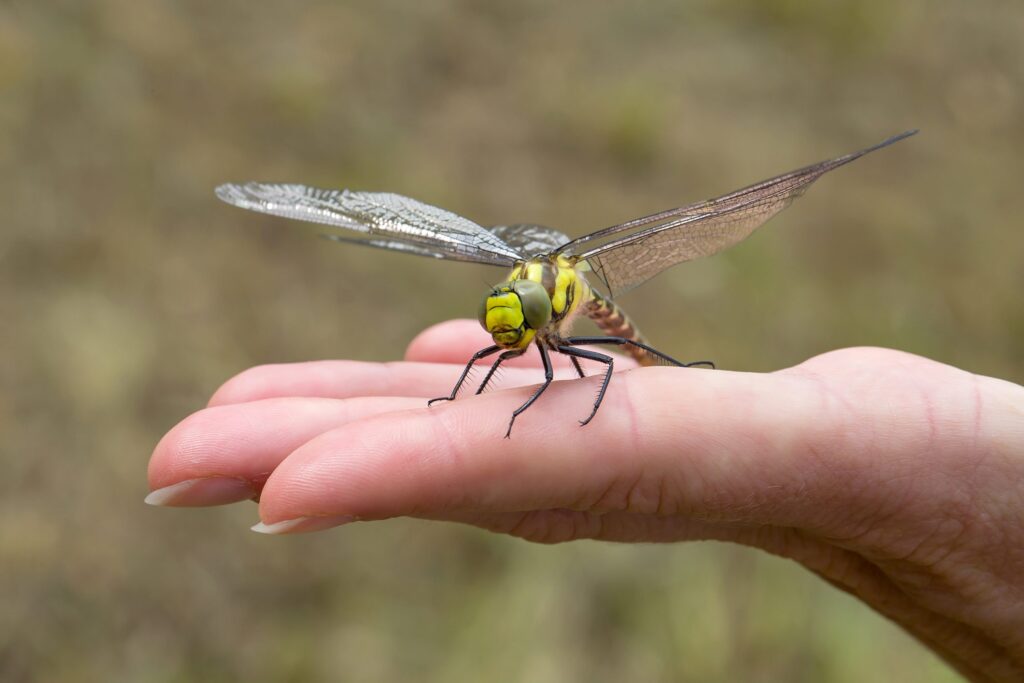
(896,478)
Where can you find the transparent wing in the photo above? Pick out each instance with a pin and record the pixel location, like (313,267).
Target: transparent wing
(403,247)
(529,240)
(393,218)
(645,246)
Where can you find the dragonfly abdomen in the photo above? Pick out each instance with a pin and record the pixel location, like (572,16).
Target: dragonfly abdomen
(614,322)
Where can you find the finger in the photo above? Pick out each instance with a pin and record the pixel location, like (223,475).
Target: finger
(335,379)
(717,446)
(451,341)
(454,341)
(350,379)
(224,454)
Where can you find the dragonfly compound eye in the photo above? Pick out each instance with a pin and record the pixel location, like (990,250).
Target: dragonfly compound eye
(535,301)
(501,310)
(481,314)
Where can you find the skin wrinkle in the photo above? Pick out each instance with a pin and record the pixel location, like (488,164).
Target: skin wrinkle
(984,468)
(554,526)
(704,441)
(592,524)
(905,571)
(444,434)
(871,497)
(929,417)
(917,561)
(618,404)
(914,559)
(425,462)
(828,467)
(578,524)
(517,529)
(828,396)
(576,444)
(195,446)
(625,398)
(945,541)
(839,424)
(662,508)
(965,583)
(633,496)
(600,502)
(764,499)
(639,436)
(953,625)
(866,537)
(301,478)
(790,445)
(979,401)
(687,439)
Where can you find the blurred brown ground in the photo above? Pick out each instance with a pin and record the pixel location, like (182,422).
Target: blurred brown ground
(128,293)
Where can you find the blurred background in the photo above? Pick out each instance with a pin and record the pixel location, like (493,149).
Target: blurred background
(128,294)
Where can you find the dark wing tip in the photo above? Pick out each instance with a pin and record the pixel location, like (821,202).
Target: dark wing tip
(884,143)
(895,138)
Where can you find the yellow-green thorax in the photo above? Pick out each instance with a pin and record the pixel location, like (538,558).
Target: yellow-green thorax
(540,296)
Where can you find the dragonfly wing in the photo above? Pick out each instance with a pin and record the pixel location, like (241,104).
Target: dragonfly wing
(642,248)
(530,240)
(391,217)
(629,263)
(403,247)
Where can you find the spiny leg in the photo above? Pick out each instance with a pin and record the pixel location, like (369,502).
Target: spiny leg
(576,364)
(494,368)
(549,374)
(483,353)
(574,353)
(623,341)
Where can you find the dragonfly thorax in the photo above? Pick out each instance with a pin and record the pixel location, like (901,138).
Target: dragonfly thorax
(540,293)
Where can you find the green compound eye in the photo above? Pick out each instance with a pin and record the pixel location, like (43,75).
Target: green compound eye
(535,301)
(481,314)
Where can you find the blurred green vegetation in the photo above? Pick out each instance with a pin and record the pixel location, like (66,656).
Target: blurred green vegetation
(128,293)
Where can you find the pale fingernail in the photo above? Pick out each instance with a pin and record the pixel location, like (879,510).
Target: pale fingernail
(202,492)
(301,525)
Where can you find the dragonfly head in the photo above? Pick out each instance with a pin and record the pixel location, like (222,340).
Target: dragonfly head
(513,312)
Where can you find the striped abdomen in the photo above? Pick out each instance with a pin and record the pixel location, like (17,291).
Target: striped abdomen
(614,322)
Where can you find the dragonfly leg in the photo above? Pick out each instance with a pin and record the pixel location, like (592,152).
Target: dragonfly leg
(576,364)
(494,368)
(549,374)
(483,353)
(623,341)
(574,353)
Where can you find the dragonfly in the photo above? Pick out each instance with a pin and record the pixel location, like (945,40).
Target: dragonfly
(547,288)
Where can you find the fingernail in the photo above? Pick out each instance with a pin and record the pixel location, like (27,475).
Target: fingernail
(201,492)
(301,525)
